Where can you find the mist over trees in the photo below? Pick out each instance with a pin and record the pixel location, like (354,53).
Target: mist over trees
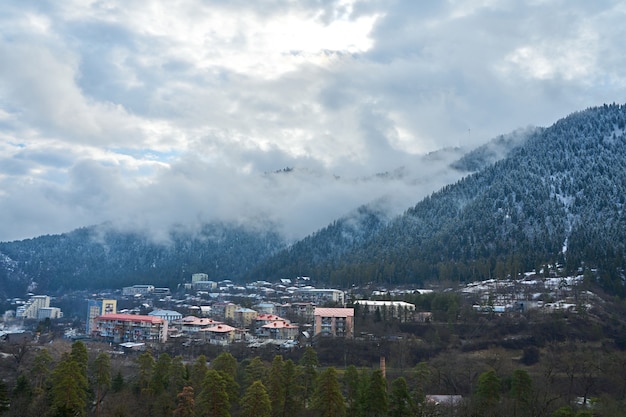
(557,197)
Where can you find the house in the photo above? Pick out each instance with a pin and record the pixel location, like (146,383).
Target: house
(279,330)
(138,290)
(334,322)
(221,334)
(119,328)
(193,324)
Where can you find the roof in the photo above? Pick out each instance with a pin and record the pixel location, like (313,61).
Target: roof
(198,321)
(334,312)
(385,303)
(159,313)
(279,325)
(131,317)
(269,317)
(220,328)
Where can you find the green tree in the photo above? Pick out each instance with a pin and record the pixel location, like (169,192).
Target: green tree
(376,399)
(213,400)
(521,390)
(80,355)
(160,377)
(185,403)
(117,384)
(101,375)
(488,392)
(327,398)
(4,398)
(40,369)
(276,386)
(69,388)
(146,367)
(400,402)
(352,390)
(256,401)
(198,372)
(293,389)
(256,371)
(226,363)
(178,375)
(309,363)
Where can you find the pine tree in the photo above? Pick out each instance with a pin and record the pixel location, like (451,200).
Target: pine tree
(69,388)
(101,371)
(256,371)
(197,373)
(400,402)
(256,401)
(293,389)
(327,398)
(376,399)
(276,386)
(4,398)
(309,363)
(213,400)
(352,390)
(185,403)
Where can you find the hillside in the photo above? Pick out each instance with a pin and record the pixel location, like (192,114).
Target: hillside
(558,197)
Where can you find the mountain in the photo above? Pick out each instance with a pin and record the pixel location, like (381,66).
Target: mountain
(537,196)
(558,197)
(103,257)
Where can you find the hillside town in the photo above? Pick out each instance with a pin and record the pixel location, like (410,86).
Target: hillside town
(287,313)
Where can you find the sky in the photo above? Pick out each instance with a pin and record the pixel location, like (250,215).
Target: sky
(149,113)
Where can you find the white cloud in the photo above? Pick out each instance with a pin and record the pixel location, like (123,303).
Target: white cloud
(159,112)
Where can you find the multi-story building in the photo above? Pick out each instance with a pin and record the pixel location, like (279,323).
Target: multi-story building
(119,328)
(244,316)
(97,308)
(320,295)
(30,310)
(334,322)
(167,315)
(49,313)
(225,311)
(279,330)
(303,310)
(138,290)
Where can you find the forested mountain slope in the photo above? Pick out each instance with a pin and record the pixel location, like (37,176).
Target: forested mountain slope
(102,257)
(558,197)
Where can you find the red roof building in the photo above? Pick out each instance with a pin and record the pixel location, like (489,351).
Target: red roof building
(120,328)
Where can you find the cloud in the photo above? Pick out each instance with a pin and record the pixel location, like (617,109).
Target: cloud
(151,113)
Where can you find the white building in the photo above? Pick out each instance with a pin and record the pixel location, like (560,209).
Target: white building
(320,295)
(138,290)
(396,309)
(30,310)
(167,315)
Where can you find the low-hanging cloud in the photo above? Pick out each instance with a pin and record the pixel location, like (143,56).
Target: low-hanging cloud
(148,114)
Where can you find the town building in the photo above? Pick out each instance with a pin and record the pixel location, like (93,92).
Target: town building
(168,315)
(97,308)
(120,328)
(244,316)
(279,330)
(320,296)
(334,322)
(30,310)
(221,334)
(49,313)
(193,324)
(224,310)
(138,290)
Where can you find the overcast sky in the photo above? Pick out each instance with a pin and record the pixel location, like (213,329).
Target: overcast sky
(150,113)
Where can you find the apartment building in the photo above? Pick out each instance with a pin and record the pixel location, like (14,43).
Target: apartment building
(120,328)
(334,322)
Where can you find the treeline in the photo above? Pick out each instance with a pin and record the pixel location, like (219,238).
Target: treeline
(564,382)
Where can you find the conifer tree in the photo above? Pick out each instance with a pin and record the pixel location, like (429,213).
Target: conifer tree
(213,400)
(352,390)
(69,388)
(185,403)
(276,386)
(309,363)
(327,399)
(256,401)
(376,399)
(400,402)
(4,398)
(197,373)
(256,371)
(101,372)
(293,389)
